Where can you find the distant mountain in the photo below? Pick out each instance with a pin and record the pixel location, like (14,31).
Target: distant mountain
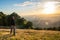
(44,20)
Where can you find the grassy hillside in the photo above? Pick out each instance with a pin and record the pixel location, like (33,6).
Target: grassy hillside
(23,34)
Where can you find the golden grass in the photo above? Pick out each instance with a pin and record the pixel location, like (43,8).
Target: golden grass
(29,34)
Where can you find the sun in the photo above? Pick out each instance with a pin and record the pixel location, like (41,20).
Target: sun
(49,8)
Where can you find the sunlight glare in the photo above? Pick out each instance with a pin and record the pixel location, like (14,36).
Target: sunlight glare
(49,8)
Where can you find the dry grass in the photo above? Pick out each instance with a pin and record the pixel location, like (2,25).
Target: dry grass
(23,34)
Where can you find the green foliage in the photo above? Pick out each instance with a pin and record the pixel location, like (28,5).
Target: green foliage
(19,21)
(24,24)
(29,25)
(2,19)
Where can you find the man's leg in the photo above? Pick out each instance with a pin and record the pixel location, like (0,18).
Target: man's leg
(11,30)
(14,29)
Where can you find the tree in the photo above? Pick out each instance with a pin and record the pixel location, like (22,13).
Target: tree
(2,19)
(58,28)
(15,15)
(20,22)
(29,25)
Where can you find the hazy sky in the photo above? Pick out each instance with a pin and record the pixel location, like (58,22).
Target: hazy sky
(25,7)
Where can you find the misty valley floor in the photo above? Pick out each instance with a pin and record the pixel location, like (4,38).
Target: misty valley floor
(29,34)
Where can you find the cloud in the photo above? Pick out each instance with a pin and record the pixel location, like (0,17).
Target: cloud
(37,6)
(35,0)
(27,3)
(44,0)
(51,0)
(23,4)
(58,5)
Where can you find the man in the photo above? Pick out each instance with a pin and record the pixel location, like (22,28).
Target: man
(12,23)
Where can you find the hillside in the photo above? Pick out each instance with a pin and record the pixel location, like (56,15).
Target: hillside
(28,34)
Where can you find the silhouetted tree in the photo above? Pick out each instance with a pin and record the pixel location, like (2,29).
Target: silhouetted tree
(2,19)
(29,25)
(20,22)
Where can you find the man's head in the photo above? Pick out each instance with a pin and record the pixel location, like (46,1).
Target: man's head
(13,17)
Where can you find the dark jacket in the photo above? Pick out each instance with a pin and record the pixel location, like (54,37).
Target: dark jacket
(12,21)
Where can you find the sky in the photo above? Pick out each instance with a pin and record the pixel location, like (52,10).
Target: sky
(26,7)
